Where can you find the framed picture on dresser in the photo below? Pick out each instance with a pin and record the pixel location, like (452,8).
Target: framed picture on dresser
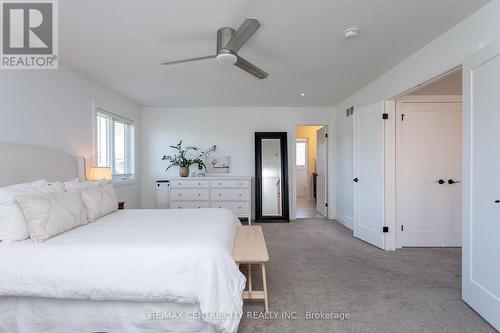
(217,165)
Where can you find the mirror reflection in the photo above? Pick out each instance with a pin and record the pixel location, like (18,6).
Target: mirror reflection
(272,202)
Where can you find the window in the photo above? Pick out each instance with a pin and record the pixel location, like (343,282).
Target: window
(114,144)
(301,153)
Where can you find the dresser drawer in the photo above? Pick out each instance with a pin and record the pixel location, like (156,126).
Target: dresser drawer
(190,195)
(230,195)
(230,183)
(236,207)
(189,204)
(189,183)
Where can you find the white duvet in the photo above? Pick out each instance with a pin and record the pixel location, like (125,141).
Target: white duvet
(182,256)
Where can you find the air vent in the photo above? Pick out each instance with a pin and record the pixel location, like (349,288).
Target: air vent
(349,111)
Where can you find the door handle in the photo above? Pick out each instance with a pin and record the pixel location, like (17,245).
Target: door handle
(451,181)
(441,182)
(356,180)
(497,201)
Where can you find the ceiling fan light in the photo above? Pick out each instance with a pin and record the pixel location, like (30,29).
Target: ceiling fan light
(226,58)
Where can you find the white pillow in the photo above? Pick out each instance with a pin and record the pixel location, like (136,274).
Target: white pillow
(13,225)
(100,201)
(50,214)
(55,187)
(76,186)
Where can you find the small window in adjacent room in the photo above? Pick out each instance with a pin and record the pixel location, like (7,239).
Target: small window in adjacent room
(114,144)
(301,153)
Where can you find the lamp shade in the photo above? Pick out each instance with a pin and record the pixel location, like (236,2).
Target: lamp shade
(100,173)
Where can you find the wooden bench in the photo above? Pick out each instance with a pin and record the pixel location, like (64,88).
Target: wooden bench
(250,249)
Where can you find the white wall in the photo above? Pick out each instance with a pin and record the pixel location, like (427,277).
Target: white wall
(439,56)
(54,108)
(231,129)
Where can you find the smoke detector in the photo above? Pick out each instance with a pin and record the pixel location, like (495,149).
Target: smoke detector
(351,33)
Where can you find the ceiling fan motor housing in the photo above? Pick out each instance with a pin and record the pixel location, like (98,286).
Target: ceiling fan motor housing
(224,35)
(225,56)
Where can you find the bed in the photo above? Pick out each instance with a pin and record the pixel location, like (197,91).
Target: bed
(130,271)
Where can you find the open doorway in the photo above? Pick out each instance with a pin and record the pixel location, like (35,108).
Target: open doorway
(311,179)
(429,164)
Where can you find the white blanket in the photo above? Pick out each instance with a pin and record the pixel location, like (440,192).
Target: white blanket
(136,255)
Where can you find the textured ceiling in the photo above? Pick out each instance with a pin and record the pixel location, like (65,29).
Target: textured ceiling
(120,43)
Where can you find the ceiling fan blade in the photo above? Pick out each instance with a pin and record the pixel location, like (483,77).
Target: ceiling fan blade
(251,68)
(244,32)
(187,60)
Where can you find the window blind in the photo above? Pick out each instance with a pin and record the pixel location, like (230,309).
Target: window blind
(114,143)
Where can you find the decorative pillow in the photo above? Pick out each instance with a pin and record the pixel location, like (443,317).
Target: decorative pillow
(50,214)
(100,201)
(76,186)
(13,225)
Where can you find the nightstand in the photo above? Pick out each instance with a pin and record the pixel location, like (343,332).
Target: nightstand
(121,205)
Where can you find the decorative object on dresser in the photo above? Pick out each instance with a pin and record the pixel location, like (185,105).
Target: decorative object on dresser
(217,165)
(181,159)
(233,193)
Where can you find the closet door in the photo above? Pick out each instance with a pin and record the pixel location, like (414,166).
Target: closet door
(421,174)
(453,172)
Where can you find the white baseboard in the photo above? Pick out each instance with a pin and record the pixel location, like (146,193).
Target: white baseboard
(345,220)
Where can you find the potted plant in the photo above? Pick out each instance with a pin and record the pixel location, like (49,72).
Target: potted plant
(181,159)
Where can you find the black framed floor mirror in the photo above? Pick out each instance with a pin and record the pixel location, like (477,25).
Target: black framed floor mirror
(271,177)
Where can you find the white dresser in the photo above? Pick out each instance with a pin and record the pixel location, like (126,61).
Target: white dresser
(233,193)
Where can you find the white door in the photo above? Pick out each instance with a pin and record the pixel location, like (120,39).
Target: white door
(321,171)
(369,168)
(429,149)
(481,222)
(454,174)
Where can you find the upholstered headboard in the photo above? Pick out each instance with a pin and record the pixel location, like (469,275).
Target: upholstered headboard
(24,163)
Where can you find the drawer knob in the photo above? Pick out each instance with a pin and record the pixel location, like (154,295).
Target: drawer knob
(239,207)
(199,194)
(239,194)
(220,183)
(239,183)
(179,194)
(199,184)
(220,195)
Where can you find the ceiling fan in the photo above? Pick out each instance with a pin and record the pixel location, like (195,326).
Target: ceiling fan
(229,42)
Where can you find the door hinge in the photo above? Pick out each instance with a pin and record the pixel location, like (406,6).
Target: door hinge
(326,204)
(385,229)
(326,135)
(402,228)
(402,116)
(385,116)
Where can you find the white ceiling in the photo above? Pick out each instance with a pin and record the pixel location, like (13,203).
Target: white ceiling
(121,44)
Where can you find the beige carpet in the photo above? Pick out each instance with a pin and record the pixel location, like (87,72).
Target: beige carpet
(317,266)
